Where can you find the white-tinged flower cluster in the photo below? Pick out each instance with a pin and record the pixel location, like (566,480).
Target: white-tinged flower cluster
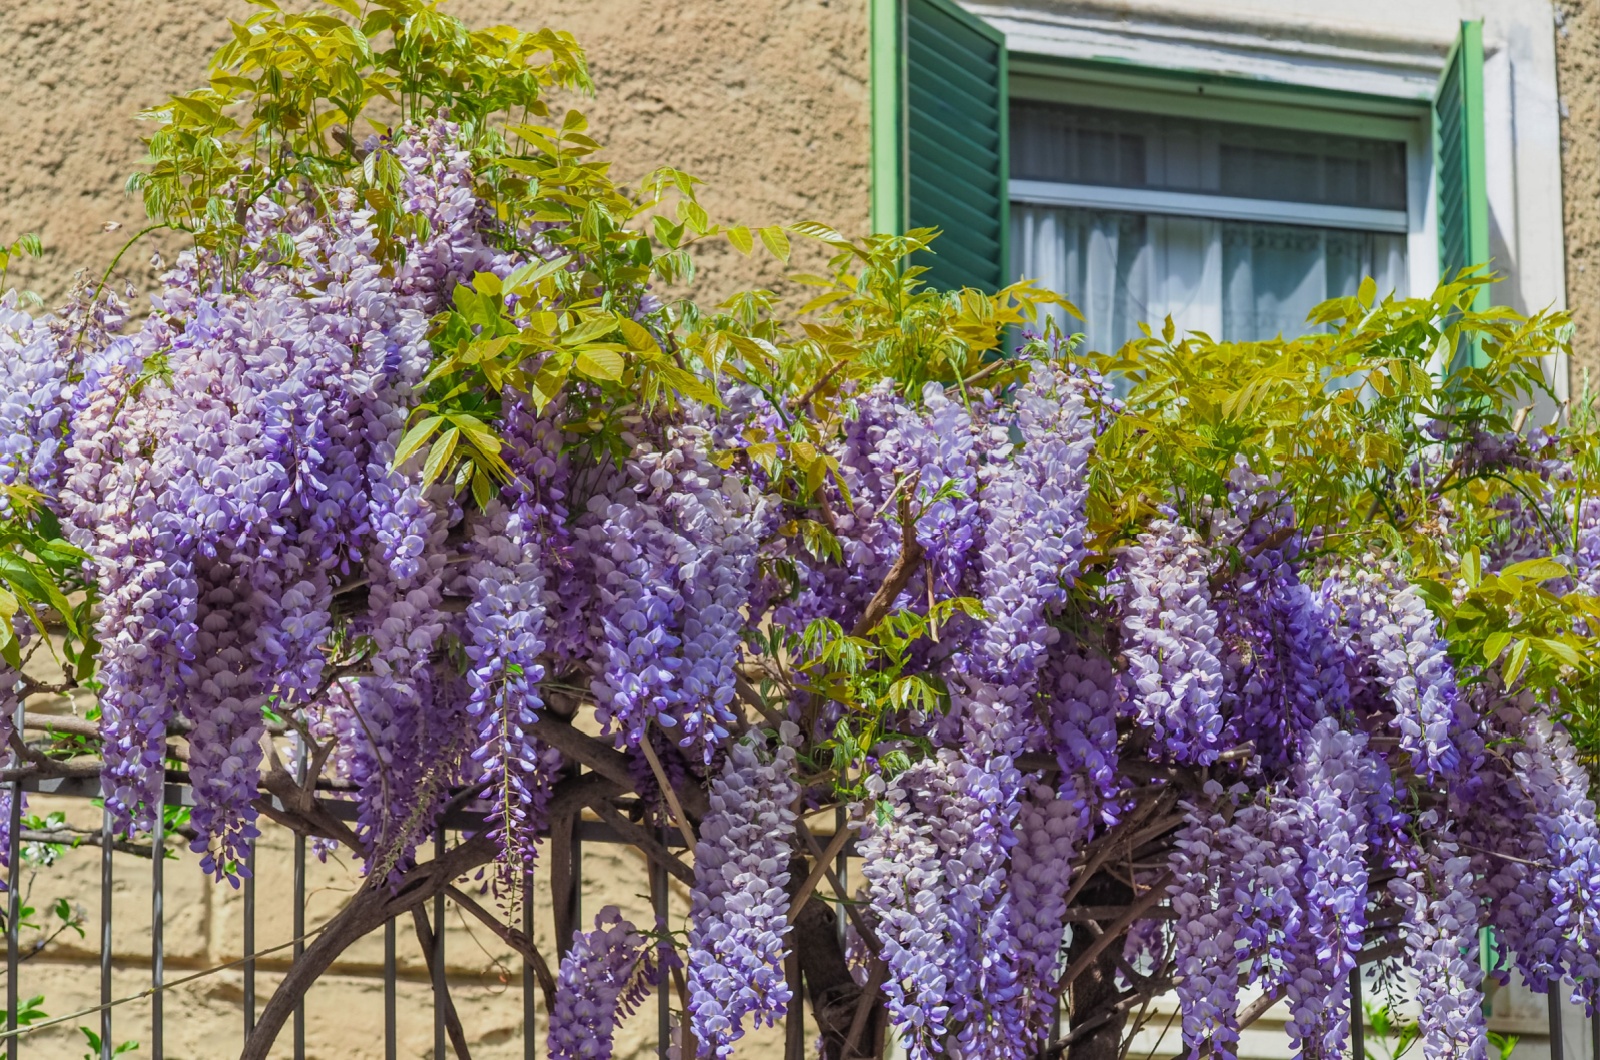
(1170,641)
(603,979)
(739,908)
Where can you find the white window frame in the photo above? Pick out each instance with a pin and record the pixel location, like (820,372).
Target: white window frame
(1152,92)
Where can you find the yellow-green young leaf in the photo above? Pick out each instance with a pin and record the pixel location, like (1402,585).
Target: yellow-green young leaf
(1515,662)
(1494,644)
(636,334)
(599,363)
(483,350)
(739,236)
(482,488)
(1536,569)
(8,606)
(694,214)
(476,432)
(1565,652)
(415,437)
(439,456)
(688,386)
(551,378)
(10,647)
(764,454)
(486,283)
(776,241)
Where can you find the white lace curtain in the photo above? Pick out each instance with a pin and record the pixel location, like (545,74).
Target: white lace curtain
(1233,280)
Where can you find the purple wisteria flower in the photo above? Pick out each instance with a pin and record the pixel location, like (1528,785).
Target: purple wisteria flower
(604,977)
(738,916)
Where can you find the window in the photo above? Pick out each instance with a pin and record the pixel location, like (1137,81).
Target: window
(1233,223)
(1231,229)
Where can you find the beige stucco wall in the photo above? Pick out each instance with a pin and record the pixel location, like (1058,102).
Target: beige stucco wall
(766,100)
(1578,55)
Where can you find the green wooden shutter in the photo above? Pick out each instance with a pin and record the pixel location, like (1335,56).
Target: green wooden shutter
(940,150)
(1459,160)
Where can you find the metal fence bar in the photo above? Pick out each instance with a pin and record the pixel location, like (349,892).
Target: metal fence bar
(658,892)
(106,878)
(13,903)
(1555,1022)
(440,984)
(250,939)
(299,929)
(1594,1036)
(158,896)
(391,1047)
(529,983)
(1358,1018)
(299,898)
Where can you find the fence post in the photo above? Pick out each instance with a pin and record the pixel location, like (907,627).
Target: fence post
(106,839)
(658,891)
(250,939)
(1555,1020)
(440,983)
(299,896)
(529,1004)
(391,1048)
(1358,1017)
(158,868)
(13,900)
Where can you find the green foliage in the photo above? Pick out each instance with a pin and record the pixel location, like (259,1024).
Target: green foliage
(94,1043)
(40,573)
(1373,430)
(26,244)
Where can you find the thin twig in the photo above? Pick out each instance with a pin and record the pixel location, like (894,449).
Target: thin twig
(818,872)
(511,937)
(1152,897)
(667,792)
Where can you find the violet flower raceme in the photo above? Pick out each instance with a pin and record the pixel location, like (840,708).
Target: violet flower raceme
(1395,638)
(1084,696)
(1333,787)
(140,550)
(1170,641)
(604,977)
(935,866)
(1285,669)
(738,916)
(1207,929)
(1442,918)
(1049,831)
(1563,940)
(506,624)
(33,407)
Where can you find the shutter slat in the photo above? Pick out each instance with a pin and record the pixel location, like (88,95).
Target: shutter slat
(955,108)
(1459,157)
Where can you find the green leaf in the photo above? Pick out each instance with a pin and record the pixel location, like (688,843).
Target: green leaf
(599,363)
(776,241)
(1515,662)
(739,236)
(1565,652)
(1539,570)
(636,334)
(415,437)
(439,455)
(1494,644)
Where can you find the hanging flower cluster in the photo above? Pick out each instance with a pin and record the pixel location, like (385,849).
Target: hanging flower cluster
(407,462)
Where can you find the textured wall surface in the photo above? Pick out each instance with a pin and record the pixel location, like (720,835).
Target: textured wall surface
(1578,55)
(765,100)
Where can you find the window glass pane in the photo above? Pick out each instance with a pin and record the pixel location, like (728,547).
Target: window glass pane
(1084,145)
(1237,281)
